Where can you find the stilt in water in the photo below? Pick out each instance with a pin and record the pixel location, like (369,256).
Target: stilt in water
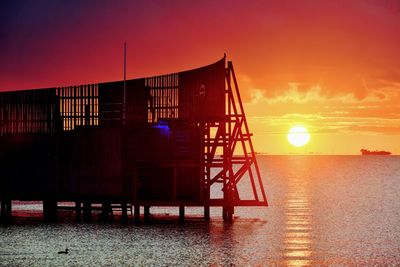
(181,213)
(78,211)
(124,212)
(6,210)
(50,210)
(231,211)
(87,211)
(146,213)
(206,212)
(227,213)
(136,213)
(105,211)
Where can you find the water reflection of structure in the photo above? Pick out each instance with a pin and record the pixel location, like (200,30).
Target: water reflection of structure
(297,240)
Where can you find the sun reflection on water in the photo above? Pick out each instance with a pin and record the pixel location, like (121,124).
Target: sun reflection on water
(297,239)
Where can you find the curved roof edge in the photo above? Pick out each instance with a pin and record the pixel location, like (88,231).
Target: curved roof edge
(113,81)
(169,73)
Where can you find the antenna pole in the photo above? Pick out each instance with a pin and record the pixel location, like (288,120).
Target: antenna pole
(124,97)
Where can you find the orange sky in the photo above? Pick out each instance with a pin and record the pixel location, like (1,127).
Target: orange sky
(333,66)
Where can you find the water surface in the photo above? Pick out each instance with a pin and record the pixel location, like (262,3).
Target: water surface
(324,210)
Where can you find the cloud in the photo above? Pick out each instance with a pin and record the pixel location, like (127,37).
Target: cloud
(316,93)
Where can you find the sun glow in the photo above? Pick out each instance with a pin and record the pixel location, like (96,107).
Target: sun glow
(298,136)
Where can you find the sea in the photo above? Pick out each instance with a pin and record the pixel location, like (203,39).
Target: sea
(323,211)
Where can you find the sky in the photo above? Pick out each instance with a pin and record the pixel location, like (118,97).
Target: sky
(331,66)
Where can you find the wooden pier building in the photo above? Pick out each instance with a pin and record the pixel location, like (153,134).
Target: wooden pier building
(160,141)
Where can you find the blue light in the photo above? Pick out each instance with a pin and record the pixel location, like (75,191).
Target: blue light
(161,125)
(166,127)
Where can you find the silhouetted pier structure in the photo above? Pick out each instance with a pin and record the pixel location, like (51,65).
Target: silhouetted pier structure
(162,141)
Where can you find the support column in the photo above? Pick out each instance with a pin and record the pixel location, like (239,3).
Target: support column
(124,212)
(146,213)
(227,211)
(6,210)
(136,216)
(78,211)
(207,199)
(229,214)
(224,212)
(3,209)
(105,211)
(50,210)
(206,212)
(181,213)
(87,211)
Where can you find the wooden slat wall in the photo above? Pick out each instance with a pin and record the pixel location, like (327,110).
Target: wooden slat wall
(110,98)
(162,99)
(29,111)
(197,94)
(79,105)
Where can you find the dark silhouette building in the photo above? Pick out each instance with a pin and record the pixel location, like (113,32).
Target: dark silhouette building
(161,141)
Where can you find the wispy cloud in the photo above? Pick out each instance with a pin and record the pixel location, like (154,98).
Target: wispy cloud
(317,93)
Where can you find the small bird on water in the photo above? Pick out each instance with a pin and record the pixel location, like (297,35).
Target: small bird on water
(63,251)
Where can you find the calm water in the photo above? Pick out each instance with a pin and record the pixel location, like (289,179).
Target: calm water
(324,210)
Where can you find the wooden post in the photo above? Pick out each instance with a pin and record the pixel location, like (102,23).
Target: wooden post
(6,210)
(124,212)
(3,209)
(181,213)
(228,208)
(105,210)
(206,212)
(146,213)
(87,211)
(50,210)
(136,212)
(229,213)
(78,211)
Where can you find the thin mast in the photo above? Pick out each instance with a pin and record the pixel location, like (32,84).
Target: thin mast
(124,97)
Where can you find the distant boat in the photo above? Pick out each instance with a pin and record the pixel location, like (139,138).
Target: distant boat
(366,152)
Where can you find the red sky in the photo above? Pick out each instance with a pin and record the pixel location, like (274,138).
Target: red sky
(333,66)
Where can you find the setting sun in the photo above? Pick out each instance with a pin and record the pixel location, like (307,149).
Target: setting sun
(298,136)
